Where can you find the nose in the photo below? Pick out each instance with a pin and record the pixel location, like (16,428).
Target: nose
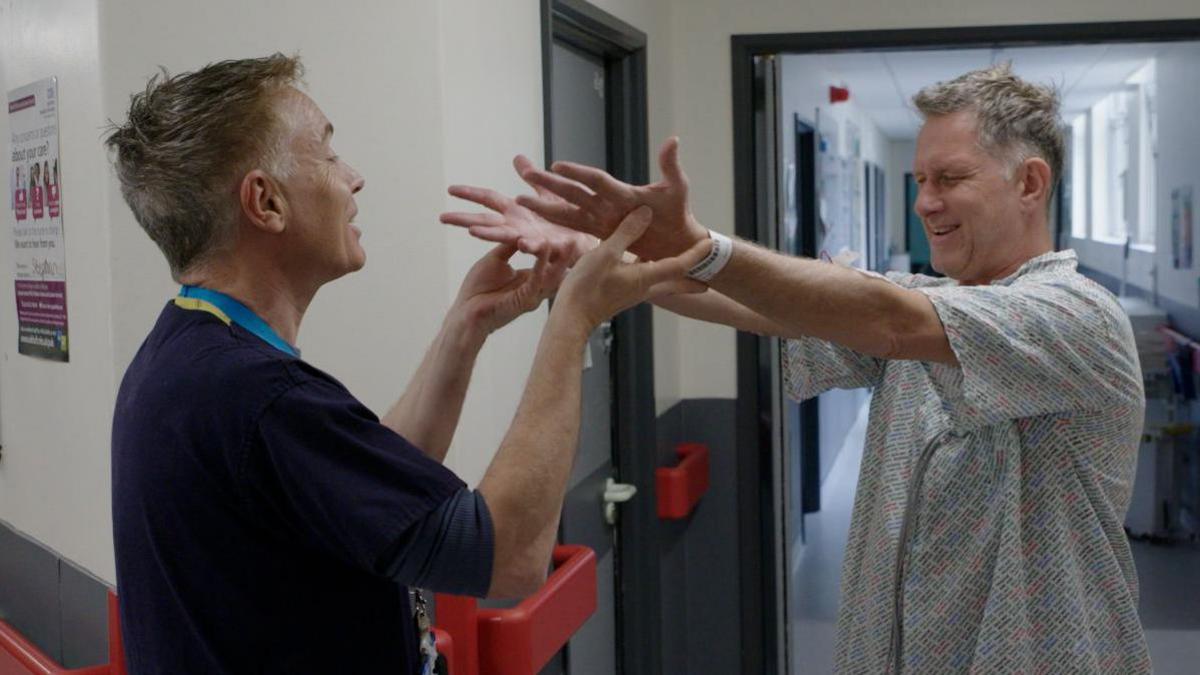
(356,180)
(927,203)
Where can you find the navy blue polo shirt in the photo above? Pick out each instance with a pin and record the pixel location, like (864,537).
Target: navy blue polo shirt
(257,507)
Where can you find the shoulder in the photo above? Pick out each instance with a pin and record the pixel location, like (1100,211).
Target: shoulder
(195,360)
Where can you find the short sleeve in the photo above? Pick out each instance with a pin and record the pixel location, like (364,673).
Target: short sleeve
(1033,349)
(812,366)
(325,470)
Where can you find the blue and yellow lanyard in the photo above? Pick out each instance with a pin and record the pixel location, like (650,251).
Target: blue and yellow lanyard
(230,311)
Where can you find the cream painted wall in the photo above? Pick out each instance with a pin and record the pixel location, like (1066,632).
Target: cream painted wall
(422,94)
(54,417)
(491,110)
(702,96)
(653,17)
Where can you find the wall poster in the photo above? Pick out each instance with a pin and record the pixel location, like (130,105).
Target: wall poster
(39,252)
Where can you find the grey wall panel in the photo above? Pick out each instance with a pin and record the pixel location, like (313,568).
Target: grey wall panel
(673,555)
(58,607)
(29,590)
(700,562)
(83,600)
(713,562)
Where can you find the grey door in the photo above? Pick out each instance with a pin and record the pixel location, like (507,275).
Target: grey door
(579,133)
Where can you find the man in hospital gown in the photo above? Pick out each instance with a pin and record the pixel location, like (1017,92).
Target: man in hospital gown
(987,529)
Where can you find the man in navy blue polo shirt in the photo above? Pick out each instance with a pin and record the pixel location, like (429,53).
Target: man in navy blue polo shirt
(264,519)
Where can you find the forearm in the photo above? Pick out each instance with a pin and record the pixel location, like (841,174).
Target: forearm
(525,484)
(831,302)
(428,412)
(713,307)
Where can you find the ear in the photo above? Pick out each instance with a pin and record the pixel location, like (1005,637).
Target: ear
(1035,183)
(262,202)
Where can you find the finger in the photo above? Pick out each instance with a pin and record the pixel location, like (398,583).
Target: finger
(472,219)
(669,269)
(531,245)
(564,188)
(523,164)
(562,213)
(500,235)
(504,252)
(482,196)
(668,161)
(599,181)
(630,230)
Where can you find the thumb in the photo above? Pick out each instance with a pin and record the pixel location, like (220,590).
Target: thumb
(669,268)
(673,269)
(668,161)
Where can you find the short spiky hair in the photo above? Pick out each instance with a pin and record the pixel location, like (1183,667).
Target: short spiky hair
(1016,119)
(186,142)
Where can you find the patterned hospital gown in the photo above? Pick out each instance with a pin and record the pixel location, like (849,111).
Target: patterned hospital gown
(1016,559)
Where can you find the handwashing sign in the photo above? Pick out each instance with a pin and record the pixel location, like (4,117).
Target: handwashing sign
(39,253)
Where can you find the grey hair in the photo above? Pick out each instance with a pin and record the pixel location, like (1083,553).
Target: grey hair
(1015,119)
(189,139)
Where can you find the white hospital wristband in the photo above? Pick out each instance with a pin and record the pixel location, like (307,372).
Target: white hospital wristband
(715,261)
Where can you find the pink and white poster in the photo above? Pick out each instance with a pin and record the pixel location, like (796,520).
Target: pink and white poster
(39,251)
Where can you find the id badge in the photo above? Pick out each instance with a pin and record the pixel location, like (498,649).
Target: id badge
(427,642)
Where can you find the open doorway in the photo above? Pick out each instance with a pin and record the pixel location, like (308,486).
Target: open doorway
(1108,74)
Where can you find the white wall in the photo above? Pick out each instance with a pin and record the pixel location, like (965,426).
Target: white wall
(422,94)
(804,91)
(702,99)
(1178,147)
(54,417)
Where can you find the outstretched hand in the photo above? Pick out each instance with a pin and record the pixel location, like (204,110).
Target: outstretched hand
(589,200)
(602,283)
(511,223)
(493,293)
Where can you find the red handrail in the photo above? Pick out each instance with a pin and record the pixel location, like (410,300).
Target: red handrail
(680,487)
(521,640)
(27,658)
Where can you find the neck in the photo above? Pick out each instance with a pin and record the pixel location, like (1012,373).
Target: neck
(1039,243)
(264,290)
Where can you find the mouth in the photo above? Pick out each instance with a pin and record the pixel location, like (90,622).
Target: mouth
(941,231)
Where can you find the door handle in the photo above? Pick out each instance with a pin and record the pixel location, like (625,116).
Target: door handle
(616,493)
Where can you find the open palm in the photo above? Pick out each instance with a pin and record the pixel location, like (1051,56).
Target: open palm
(589,200)
(511,223)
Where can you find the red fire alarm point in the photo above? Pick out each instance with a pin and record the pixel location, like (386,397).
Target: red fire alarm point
(838,94)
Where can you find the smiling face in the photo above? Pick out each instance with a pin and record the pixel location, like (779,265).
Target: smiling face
(969,204)
(320,191)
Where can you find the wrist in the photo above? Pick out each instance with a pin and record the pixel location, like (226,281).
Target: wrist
(696,231)
(569,323)
(466,331)
(716,260)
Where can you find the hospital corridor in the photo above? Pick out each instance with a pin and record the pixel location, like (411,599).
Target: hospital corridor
(600,337)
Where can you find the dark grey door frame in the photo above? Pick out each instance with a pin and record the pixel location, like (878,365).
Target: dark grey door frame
(623,48)
(756,518)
